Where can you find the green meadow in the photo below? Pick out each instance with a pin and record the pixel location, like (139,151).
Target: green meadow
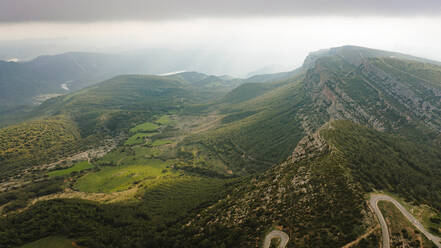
(145,127)
(118,178)
(161,142)
(80,166)
(163,120)
(137,139)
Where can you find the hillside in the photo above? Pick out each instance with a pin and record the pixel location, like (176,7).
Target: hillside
(36,142)
(297,153)
(316,195)
(68,124)
(123,100)
(27,83)
(338,84)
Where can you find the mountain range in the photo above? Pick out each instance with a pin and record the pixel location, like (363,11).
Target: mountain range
(297,151)
(27,83)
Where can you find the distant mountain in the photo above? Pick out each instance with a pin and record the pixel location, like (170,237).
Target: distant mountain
(32,82)
(269,69)
(22,82)
(261,78)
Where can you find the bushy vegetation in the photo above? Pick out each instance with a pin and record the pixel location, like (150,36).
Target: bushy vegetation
(246,92)
(183,196)
(259,132)
(18,198)
(121,102)
(51,242)
(158,221)
(36,142)
(402,231)
(386,162)
(301,198)
(371,241)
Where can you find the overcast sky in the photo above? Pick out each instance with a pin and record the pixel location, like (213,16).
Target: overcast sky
(247,33)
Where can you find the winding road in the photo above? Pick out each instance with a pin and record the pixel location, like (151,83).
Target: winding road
(284,238)
(375,198)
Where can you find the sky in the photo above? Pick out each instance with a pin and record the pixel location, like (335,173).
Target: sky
(245,34)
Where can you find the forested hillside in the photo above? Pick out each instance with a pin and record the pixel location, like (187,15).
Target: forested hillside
(36,142)
(204,161)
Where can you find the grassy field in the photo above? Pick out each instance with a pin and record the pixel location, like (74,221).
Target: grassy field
(161,142)
(80,166)
(117,178)
(130,155)
(401,229)
(163,120)
(140,131)
(137,139)
(145,127)
(51,242)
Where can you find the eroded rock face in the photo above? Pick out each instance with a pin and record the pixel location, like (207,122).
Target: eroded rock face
(371,90)
(310,146)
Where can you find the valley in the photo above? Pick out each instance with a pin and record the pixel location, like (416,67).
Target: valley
(193,160)
(107,174)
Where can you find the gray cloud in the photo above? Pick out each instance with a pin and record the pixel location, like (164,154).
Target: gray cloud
(108,10)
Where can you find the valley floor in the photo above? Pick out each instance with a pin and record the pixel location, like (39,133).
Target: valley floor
(137,165)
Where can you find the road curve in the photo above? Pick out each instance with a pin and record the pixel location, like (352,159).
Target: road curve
(375,198)
(284,238)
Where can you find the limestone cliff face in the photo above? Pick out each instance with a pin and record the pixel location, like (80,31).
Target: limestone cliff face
(374,88)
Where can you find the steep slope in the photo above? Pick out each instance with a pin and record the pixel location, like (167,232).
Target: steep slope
(373,88)
(382,161)
(311,196)
(390,143)
(316,196)
(372,91)
(254,133)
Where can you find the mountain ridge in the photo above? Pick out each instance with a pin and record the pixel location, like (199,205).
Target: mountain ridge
(302,152)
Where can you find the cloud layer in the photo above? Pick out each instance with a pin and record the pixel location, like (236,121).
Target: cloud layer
(148,10)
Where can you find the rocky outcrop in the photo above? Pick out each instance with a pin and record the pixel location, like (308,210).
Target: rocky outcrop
(359,84)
